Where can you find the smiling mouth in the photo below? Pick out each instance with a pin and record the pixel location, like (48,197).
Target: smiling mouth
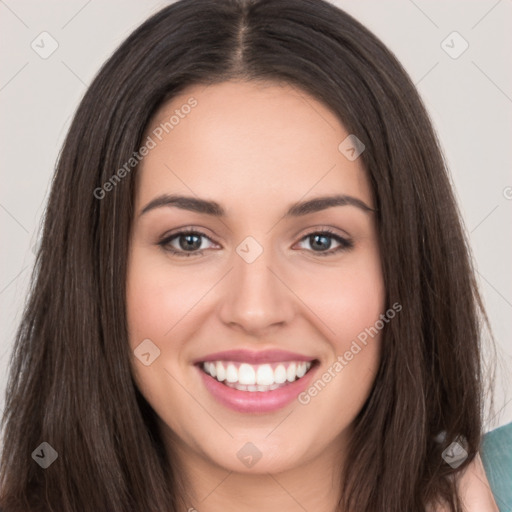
(256,377)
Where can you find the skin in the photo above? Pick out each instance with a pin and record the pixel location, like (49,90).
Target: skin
(255,149)
(475,490)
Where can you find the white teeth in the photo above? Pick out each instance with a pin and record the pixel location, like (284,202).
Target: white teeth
(231,373)
(263,377)
(252,389)
(246,374)
(280,374)
(291,372)
(220,371)
(301,370)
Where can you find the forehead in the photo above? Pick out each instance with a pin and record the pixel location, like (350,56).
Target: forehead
(247,142)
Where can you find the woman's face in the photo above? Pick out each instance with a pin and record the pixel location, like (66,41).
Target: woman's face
(259,278)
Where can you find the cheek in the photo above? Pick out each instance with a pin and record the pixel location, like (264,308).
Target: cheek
(351,306)
(149,307)
(162,306)
(156,298)
(155,303)
(358,307)
(348,300)
(344,383)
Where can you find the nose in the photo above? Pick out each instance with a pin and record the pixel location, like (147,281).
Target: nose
(255,297)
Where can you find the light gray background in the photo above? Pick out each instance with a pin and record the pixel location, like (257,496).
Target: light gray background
(469,99)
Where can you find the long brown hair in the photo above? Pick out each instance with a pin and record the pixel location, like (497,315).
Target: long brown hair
(70,382)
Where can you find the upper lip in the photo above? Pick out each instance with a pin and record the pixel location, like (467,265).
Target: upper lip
(255,357)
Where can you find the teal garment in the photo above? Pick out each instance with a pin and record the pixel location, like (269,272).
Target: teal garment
(496,453)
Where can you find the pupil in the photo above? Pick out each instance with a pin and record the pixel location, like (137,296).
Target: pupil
(319,245)
(190,244)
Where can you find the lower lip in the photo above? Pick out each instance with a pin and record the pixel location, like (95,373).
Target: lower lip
(257,401)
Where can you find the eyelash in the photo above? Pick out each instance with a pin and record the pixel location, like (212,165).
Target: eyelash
(345,244)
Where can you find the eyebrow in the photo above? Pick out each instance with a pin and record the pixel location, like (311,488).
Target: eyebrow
(213,208)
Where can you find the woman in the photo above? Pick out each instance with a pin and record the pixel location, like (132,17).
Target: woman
(253,288)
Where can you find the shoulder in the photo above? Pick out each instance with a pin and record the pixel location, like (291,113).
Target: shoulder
(496,453)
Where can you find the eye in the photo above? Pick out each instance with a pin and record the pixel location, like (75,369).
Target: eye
(321,240)
(189,243)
